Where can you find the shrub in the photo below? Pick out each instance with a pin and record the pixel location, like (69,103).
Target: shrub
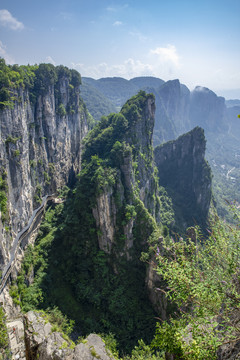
(202,277)
(61,111)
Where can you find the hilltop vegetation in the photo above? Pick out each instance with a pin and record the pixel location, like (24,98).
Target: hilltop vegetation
(97,104)
(35,78)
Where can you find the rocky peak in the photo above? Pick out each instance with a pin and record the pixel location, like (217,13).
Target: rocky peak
(207,109)
(186,175)
(124,140)
(172,100)
(140,113)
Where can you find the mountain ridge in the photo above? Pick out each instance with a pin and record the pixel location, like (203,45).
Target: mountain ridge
(179,110)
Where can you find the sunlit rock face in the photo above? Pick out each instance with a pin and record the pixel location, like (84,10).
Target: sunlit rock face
(40,151)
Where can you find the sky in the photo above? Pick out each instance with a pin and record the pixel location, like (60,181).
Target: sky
(195,41)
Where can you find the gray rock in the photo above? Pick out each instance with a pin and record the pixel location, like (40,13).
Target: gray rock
(94,348)
(186,175)
(44,344)
(40,151)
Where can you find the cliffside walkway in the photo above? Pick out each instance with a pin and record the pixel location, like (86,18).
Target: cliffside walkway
(26,231)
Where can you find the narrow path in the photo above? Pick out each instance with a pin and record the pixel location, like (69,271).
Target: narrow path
(20,236)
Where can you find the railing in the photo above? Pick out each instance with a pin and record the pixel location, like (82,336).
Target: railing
(20,236)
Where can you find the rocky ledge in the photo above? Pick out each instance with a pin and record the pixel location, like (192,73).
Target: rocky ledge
(33,337)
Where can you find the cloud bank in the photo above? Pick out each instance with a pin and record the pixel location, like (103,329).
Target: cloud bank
(8,21)
(161,62)
(167,54)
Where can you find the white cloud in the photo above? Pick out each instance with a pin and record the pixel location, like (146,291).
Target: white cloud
(5,55)
(160,62)
(50,60)
(7,20)
(128,69)
(117,23)
(167,54)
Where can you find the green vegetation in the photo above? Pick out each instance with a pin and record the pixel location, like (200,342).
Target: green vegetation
(11,78)
(33,164)
(47,178)
(61,111)
(12,140)
(16,153)
(144,352)
(103,291)
(37,79)
(226,173)
(97,104)
(59,321)
(116,90)
(82,281)
(101,139)
(100,281)
(38,194)
(3,195)
(4,350)
(202,277)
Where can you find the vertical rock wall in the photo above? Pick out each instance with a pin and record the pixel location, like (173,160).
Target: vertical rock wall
(40,151)
(186,175)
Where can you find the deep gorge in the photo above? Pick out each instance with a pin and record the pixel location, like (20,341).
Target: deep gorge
(120,198)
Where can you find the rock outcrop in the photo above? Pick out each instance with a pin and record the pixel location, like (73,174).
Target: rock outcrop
(185,174)
(33,337)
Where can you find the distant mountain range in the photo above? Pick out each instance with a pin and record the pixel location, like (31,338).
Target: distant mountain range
(179,110)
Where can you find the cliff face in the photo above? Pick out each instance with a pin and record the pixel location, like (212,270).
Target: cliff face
(186,175)
(134,163)
(40,151)
(105,226)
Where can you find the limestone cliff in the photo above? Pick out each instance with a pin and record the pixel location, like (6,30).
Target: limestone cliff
(99,280)
(40,149)
(185,174)
(133,160)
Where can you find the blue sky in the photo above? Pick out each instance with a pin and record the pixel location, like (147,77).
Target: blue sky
(195,41)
